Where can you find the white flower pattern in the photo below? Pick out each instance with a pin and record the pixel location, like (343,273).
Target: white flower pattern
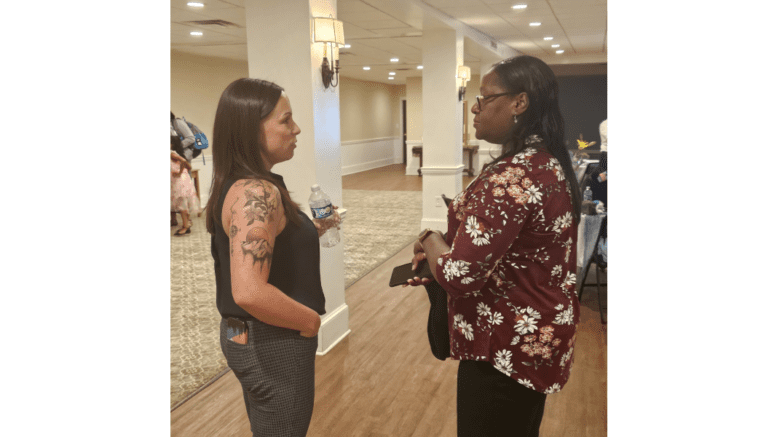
(454,269)
(525,325)
(526,334)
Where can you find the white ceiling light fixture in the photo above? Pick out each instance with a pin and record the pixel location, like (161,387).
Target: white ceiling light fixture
(195,33)
(347,46)
(391,77)
(519,6)
(391,73)
(559,51)
(394,59)
(196,4)
(365,68)
(555,46)
(420,67)
(535,24)
(548,38)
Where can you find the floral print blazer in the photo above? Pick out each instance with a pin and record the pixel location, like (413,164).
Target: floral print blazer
(510,272)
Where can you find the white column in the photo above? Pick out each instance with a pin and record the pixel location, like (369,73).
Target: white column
(443,52)
(281,50)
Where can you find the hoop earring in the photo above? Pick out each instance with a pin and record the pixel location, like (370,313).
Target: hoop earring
(515,118)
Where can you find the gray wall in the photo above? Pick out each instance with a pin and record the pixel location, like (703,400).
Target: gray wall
(583,101)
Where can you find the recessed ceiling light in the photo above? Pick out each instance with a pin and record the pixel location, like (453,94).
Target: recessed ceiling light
(366,68)
(394,59)
(420,67)
(347,46)
(391,73)
(391,77)
(195,4)
(548,38)
(556,45)
(535,24)
(559,51)
(519,6)
(195,33)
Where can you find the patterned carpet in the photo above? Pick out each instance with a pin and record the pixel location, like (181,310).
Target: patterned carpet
(378,225)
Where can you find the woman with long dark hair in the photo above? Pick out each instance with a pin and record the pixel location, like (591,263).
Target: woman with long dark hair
(266,256)
(508,262)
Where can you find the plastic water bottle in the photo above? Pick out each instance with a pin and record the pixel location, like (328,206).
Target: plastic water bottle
(599,206)
(321,207)
(588,194)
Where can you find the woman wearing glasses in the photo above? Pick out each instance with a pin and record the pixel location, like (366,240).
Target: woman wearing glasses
(508,262)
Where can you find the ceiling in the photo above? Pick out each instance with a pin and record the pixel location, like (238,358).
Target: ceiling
(379,30)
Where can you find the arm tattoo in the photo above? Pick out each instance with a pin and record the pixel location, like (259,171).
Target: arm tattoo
(259,206)
(258,246)
(233,230)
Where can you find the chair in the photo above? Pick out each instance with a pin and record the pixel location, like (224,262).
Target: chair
(601,266)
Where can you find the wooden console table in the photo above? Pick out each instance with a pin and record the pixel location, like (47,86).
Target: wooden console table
(419,151)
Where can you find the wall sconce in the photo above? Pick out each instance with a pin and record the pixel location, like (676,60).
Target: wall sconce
(464,76)
(330,32)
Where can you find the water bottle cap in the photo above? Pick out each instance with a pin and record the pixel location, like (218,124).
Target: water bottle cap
(315,187)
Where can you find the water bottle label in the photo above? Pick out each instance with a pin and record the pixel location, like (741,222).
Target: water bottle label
(320,213)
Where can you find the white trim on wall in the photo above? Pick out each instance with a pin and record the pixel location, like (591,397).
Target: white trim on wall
(362,155)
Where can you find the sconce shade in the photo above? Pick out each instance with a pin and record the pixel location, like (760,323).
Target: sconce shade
(328,30)
(464,73)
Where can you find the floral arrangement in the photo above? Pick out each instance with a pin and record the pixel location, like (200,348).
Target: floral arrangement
(583,144)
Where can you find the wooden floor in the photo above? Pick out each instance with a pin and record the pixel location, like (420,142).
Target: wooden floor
(382,379)
(389,178)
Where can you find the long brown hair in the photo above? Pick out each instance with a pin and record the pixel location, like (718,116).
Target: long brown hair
(237,146)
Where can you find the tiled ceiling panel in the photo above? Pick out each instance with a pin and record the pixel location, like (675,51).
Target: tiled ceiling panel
(380,29)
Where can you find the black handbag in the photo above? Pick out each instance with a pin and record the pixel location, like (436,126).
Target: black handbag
(437,326)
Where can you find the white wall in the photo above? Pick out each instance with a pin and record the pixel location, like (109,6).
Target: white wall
(361,155)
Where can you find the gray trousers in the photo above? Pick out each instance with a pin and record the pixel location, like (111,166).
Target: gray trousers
(277,372)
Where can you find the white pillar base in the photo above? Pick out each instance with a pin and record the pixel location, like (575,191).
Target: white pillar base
(334,328)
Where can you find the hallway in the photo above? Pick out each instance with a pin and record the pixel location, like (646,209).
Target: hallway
(382,379)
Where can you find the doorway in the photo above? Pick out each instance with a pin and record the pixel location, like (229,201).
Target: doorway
(404,132)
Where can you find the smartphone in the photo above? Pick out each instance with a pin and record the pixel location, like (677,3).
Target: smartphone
(237,330)
(402,273)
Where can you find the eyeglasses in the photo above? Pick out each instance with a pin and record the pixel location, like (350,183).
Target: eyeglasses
(481,99)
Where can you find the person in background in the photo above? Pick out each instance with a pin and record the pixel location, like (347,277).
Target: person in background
(599,175)
(508,264)
(183,195)
(186,135)
(266,256)
(180,129)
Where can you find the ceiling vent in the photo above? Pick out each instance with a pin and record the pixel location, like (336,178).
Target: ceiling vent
(221,23)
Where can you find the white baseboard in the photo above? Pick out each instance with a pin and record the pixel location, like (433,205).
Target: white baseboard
(364,166)
(439,224)
(334,328)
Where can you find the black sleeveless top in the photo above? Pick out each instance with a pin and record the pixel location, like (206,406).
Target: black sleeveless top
(295,267)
